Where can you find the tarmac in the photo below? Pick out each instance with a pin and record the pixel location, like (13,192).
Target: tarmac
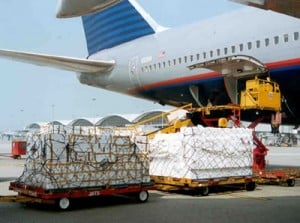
(268,203)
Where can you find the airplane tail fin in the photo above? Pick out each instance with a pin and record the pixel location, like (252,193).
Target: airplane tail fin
(118,24)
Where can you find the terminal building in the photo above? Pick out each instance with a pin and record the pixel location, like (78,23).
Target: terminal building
(289,135)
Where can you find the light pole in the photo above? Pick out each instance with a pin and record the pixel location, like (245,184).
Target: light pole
(52,111)
(21,116)
(94,107)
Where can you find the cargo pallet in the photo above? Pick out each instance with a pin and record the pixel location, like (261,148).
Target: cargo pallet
(263,176)
(63,197)
(201,187)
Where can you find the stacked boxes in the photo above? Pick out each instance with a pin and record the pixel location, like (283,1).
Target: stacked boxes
(200,153)
(79,158)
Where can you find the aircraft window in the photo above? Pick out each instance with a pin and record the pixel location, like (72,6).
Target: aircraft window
(276,39)
(249,45)
(169,63)
(257,44)
(143,69)
(296,36)
(225,50)
(204,55)
(233,49)
(198,56)
(286,37)
(218,52)
(164,64)
(154,67)
(241,47)
(267,42)
(211,53)
(174,61)
(185,59)
(150,67)
(179,60)
(159,66)
(192,58)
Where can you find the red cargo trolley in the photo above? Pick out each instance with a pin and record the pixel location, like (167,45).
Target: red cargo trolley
(63,197)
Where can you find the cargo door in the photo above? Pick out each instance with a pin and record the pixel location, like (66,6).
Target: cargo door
(134,72)
(233,69)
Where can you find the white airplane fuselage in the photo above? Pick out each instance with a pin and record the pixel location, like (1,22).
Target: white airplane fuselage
(155,67)
(131,54)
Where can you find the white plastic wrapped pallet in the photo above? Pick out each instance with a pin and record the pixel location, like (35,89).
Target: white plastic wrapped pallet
(202,153)
(92,157)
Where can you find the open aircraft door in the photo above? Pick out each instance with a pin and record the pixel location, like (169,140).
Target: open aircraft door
(233,69)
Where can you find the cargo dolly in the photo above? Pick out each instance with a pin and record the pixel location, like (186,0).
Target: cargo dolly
(260,172)
(63,197)
(202,187)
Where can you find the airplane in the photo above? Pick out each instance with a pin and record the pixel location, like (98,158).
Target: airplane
(201,63)
(289,7)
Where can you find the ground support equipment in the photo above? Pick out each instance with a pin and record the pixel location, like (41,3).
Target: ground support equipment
(277,177)
(63,197)
(202,187)
(209,117)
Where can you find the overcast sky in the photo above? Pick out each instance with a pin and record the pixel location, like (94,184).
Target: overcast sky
(31,93)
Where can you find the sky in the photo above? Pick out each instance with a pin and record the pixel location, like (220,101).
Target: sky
(30,93)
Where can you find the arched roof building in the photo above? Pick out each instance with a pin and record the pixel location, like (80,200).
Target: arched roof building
(80,122)
(112,121)
(107,121)
(148,115)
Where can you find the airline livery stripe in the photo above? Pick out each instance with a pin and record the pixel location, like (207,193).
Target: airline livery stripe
(117,40)
(120,34)
(284,63)
(176,81)
(274,66)
(114,26)
(111,20)
(107,14)
(117,27)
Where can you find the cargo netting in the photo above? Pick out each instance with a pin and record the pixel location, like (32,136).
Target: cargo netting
(61,157)
(202,153)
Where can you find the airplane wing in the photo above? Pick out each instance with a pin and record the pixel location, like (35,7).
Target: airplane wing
(288,7)
(64,63)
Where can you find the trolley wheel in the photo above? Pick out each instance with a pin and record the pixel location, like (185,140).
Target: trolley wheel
(143,196)
(291,182)
(64,203)
(204,191)
(250,186)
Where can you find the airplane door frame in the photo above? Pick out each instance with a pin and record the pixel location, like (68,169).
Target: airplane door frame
(134,71)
